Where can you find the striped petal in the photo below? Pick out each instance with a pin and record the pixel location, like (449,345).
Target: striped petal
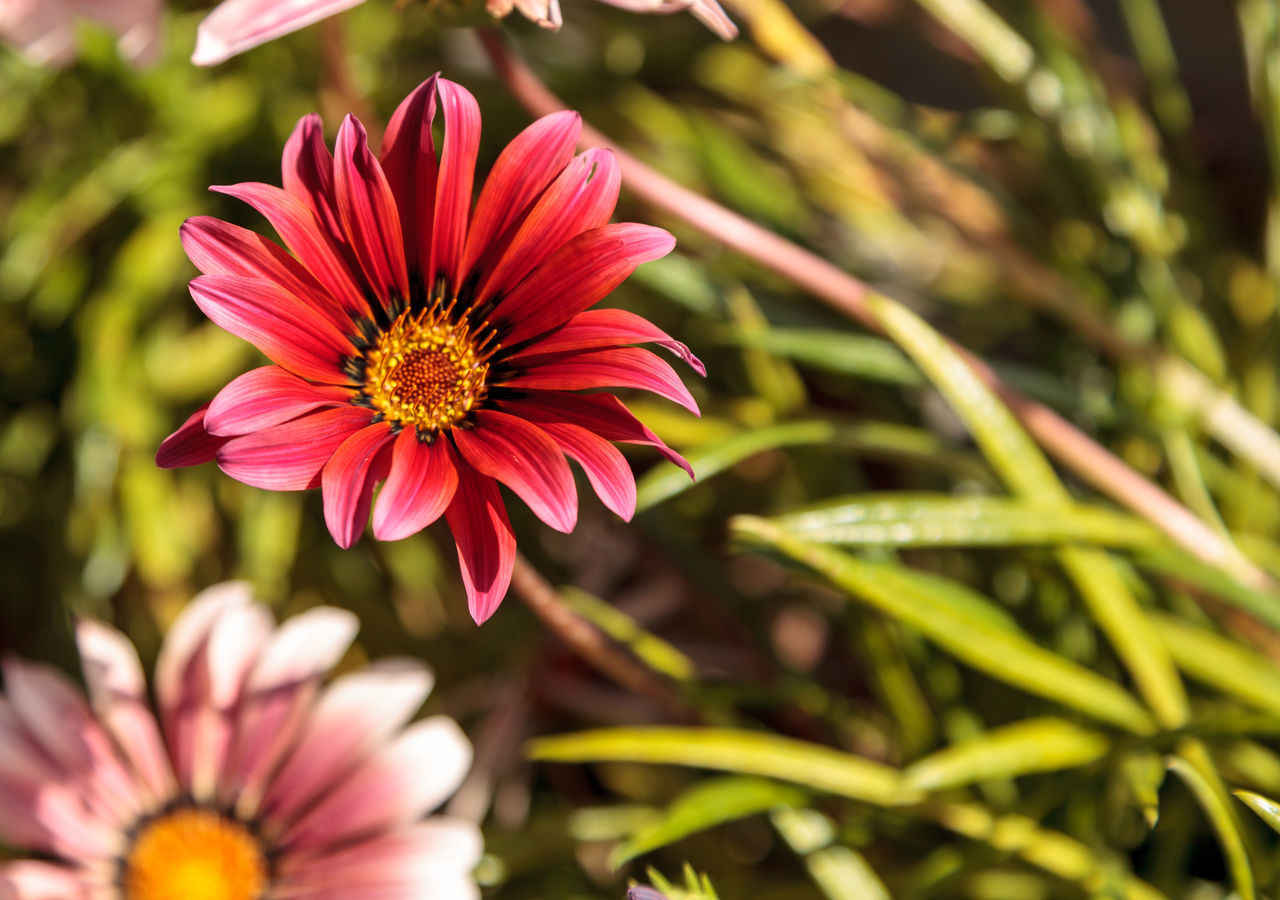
(521,456)
(606,467)
(419,488)
(348,481)
(368,214)
(598,328)
(486,546)
(267,396)
(576,277)
(630,367)
(190,445)
(235,26)
(408,158)
(290,456)
(454,183)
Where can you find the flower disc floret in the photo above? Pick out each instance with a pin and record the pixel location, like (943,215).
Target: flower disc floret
(425,371)
(194,854)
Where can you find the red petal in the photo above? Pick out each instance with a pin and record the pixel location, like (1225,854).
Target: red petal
(307,167)
(603,414)
(289,457)
(486,546)
(523,170)
(409,160)
(267,396)
(607,328)
(368,213)
(521,456)
(348,481)
(576,277)
(453,185)
(626,367)
(220,248)
(421,485)
(283,327)
(305,235)
(606,467)
(190,445)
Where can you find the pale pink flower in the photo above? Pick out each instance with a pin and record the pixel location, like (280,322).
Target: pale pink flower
(45,29)
(257,782)
(237,25)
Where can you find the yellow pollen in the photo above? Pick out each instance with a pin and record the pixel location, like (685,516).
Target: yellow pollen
(195,854)
(426,371)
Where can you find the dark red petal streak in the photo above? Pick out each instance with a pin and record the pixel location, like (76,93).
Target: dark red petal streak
(368,213)
(190,445)
(597,328)
(522,457)
(307,168)
(581,198)
(303,233)
(267,396)
(409,160)
(486,546)
(348,481)
(289,457)
(606,467)
(220,248)
(603,414)
(276,322)
(453,185)
(522,171)
(576,277)
(418,490)
(626,367)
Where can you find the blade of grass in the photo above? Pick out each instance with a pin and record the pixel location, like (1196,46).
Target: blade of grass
(1224,826)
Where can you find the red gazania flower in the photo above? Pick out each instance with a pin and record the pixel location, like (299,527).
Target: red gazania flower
(423,342)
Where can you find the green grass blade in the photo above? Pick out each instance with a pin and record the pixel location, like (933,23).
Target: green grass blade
(1224,825)
(656,653)
(1266,808)
(1001,653)
(732,750)
(1221,663)
(1032,745)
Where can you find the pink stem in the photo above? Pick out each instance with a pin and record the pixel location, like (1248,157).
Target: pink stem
(1089,460)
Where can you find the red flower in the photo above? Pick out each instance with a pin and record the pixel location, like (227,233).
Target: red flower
(422,342)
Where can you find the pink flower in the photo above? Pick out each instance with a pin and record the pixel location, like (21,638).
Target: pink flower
(238,25)
(428,344)
(257,782)
(45,29)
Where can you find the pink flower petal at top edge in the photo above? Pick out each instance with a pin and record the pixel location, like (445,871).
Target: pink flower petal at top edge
(625,367)
(291,456)
(348,481)
(267,396)
(368,213)
(418,489)
(136,22)
(486,546)
(118,694)
(581,198)
(598,328)
(238,25)
(454,182)
(42,29)
(606,467)
(522,171)
(190,445)
(600,260)
(521,456)
(353,716)
(390,788)
(408,159)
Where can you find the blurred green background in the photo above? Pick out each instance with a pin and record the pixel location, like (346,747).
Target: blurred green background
(912,659)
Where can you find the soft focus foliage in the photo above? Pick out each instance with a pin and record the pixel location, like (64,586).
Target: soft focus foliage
(913,656)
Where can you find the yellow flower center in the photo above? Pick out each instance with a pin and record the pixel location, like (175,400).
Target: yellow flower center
(195,854)
(426,371)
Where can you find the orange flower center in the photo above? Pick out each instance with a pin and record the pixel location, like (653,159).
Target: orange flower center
(426,371)
(195,854)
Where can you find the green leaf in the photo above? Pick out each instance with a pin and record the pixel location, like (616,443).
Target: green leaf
(839,871)
(709,803)
(1000,652)
(1263,604)
(731,750)
(1266,808)
(858,355)
(1223,822)
(915,520)
(1222,663)
(656,653)
(1032,745)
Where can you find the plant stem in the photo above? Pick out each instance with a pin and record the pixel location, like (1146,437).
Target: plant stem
(587,641)
(1090,461)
